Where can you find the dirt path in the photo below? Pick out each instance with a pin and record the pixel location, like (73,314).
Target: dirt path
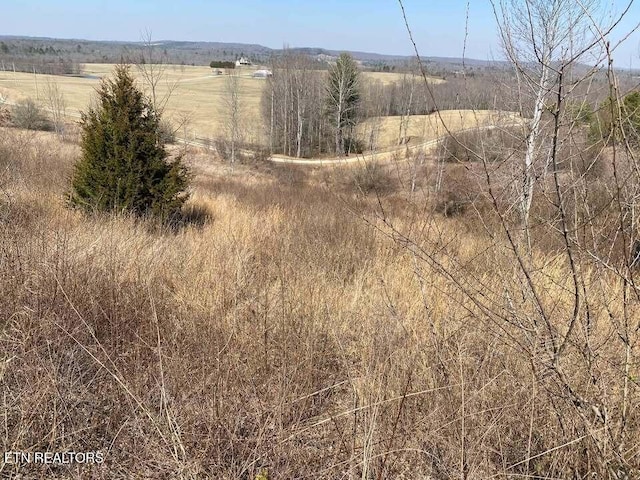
(385,155)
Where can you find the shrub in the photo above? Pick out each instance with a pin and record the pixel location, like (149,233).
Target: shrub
(492,145)
(451,206)
(603,128)
(583,159)
(580,112)
(222,147)
(458,191)
(5,115)
(167,132)
(371,177)
(124,165)
(353,145)
(28,115)
(461,147)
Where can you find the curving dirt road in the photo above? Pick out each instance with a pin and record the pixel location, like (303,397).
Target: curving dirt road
(385,155)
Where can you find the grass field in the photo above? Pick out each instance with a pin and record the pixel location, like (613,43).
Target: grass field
(386,131)
(387,78)
(198,97)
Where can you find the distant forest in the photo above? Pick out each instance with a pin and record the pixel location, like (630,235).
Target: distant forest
(38,57)
(56,56)
(63,57)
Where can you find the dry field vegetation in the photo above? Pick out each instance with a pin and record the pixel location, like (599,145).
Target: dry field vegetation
(199,98)
(416,129)
(387,78)
(314,326)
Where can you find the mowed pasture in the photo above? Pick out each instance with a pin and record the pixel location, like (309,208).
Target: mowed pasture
(198,98)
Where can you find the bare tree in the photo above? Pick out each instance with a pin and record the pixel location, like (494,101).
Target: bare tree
(56,104)
(407,89)
(292,106)
(300,85)
(565,322)
(152,68)
(234,114)
(542,39)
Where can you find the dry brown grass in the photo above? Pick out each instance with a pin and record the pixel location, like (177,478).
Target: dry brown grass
(423,128)
(298,333)
(388,77)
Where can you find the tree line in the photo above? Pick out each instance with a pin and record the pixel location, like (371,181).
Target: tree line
(309,112)
(45,64)
(298,99)
(222,64)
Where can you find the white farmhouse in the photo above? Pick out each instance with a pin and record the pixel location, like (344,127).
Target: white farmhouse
(243,62)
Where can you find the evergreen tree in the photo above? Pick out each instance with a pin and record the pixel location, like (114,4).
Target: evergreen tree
(625,120)
(124,165)
(631,111)
(342,99)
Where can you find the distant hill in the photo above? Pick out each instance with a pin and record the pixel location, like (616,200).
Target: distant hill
(196,53)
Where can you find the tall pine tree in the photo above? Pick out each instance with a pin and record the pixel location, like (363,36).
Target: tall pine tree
(124,166)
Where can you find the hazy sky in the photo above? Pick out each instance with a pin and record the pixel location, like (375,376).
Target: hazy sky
(365,25)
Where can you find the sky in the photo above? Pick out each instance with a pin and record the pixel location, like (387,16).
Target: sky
(357,25)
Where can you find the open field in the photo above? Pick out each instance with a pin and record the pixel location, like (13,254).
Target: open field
(388,78)
(199,97)
(386,132)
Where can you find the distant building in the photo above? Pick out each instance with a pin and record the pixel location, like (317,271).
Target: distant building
(262,74)
(243,62)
